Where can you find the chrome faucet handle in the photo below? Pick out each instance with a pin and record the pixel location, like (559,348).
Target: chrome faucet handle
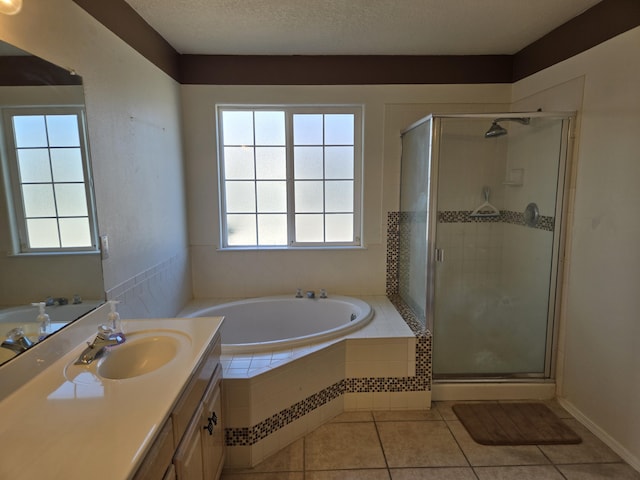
(16,340)
(323,293)
(298,293)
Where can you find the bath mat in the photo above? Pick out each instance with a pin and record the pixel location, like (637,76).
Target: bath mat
(514,424)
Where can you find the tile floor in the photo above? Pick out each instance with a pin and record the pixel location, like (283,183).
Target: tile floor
(431,445)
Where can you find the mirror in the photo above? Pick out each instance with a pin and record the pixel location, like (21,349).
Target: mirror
(71,283)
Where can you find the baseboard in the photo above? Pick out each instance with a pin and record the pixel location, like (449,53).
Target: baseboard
(612,443)
(493,391)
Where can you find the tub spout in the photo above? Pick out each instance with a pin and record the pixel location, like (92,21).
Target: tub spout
(311,294)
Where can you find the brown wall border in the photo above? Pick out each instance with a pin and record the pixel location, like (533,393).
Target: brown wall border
(600,23)
(119,17)
(596,25)
(343,69)
(26,70)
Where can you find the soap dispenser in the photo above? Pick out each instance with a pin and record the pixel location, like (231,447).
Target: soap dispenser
(113,318)
(43,319)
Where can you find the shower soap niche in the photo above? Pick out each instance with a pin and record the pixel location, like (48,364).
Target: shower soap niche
(515,177)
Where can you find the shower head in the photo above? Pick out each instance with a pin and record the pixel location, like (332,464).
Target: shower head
(497,130)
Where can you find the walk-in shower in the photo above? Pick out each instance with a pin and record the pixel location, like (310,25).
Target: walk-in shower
(481,229)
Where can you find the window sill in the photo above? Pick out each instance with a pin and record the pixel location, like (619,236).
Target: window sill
(286,248)
(53,254)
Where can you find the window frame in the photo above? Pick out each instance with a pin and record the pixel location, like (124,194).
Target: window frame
(289,111)
(17,216)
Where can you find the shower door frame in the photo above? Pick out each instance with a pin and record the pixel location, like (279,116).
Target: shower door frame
(559,236)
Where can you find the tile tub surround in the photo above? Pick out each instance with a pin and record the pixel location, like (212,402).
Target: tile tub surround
(273,398)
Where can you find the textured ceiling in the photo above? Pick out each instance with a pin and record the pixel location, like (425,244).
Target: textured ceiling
(355,27)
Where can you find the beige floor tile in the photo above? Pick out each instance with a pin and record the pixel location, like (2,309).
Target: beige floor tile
(336,446)
(483,455)
(599,471)
(353,417)
(433,473)
(263,476)
(378,474)
(533,472)
(591,450)
(406,415)
(289,459)
(419,444)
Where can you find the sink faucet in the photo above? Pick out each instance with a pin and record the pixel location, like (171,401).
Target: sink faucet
(16,340)
(105,338)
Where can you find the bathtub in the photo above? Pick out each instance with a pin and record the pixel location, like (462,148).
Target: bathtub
(279,322)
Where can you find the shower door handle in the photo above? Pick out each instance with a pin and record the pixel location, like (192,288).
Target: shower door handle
(439,255)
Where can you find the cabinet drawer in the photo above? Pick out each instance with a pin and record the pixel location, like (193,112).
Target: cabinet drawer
(183,411)
(159,457)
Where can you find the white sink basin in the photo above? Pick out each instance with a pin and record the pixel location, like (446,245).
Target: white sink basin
(141,354)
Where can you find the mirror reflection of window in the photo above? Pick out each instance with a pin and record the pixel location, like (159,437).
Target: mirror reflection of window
(49,179)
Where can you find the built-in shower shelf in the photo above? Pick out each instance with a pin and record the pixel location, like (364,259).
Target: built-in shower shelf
(515,178)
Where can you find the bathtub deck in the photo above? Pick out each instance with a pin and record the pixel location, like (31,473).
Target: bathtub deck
(273,398)
(386,325)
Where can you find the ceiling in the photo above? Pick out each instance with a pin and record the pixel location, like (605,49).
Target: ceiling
(355,27)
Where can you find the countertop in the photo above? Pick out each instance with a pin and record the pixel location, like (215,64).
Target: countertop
(66,425)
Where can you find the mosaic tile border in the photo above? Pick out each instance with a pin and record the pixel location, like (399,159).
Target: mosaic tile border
(506,216)
(247,436)
(393,252)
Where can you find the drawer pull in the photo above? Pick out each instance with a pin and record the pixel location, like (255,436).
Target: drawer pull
(213,420)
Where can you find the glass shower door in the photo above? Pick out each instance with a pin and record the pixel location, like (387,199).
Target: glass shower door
(496,236)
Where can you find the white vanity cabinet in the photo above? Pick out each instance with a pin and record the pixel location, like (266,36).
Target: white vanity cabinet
(200,454)
(190,445)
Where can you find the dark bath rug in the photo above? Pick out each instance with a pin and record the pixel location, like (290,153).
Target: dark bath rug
(514,424)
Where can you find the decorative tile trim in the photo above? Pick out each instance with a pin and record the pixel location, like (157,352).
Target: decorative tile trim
(506,216)
(393,250)
(247,436)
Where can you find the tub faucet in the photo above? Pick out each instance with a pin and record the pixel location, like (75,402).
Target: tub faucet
(311,294)
(16,340)
(105,338)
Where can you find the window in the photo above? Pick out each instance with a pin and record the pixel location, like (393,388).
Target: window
(48,171)
(290,176)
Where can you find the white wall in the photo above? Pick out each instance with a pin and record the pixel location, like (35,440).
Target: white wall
(388,110)
(600,374)
(133,113)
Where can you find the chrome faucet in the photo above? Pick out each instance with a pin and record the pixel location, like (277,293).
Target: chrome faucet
(311,294)
(105,338)
(16,340)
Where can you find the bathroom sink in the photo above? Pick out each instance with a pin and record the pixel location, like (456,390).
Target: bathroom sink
(140,354)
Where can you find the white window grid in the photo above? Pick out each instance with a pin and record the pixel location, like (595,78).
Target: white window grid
(290,111)
(18,218)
